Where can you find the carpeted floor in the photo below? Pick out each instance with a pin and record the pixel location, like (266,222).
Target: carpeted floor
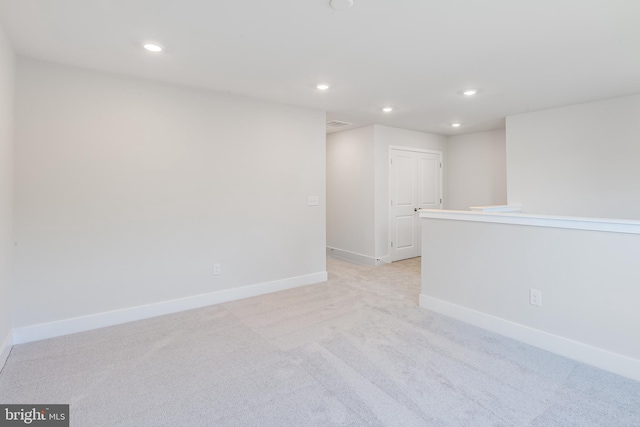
(353,351)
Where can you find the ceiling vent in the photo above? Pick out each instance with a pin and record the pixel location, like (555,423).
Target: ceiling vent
(337,124)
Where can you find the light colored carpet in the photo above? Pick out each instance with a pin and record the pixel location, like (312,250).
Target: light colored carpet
(354,351)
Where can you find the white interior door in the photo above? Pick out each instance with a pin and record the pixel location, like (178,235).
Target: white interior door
(415,183)
(429,187)
(404,198)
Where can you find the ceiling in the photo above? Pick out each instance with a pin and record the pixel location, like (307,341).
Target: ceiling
(414,55)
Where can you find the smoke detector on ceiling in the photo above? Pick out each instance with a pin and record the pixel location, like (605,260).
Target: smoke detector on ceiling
(341,4)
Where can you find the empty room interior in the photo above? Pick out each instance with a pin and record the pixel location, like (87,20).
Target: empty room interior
(314,213)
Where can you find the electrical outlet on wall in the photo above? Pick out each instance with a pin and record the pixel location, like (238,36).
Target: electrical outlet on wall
(216,269)
(535,297)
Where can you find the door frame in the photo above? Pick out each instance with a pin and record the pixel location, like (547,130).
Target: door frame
(389,195)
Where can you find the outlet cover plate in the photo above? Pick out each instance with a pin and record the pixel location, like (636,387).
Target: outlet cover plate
(535,297)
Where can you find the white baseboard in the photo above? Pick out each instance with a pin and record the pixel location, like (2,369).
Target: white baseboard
(116,317)
(354,257)
(5,349)
(603,359)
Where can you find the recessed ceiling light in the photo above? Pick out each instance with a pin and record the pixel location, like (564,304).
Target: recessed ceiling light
(152,47)
(323,86)
(341,4)
(387,109)
(455,125)
(470,92)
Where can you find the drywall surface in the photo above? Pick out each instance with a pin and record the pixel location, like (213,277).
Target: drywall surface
(588,279)
(7,90)
(477,169)
(350,191)
(580,160)
(128,191)
(384,138)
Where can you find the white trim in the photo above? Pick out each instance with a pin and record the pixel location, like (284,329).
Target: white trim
(496,208)
(6,349)
(603,359)
(353,256)
(416,150)
(574,223)
(116,317)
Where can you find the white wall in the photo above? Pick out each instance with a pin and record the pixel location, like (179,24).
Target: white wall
(385,137)
(477,169)
(589,283)
(7,88)
(128,191)
(580,160)
(350,193)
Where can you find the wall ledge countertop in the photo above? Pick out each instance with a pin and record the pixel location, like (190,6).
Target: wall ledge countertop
(611,225)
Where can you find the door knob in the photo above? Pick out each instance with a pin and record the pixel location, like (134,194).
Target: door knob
(415,209)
